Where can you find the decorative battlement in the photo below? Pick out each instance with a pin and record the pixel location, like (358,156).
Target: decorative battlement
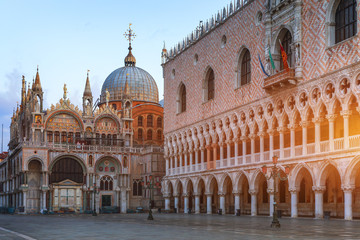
(205,27)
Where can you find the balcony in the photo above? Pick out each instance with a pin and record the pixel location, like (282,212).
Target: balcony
(262,158)
(282,79)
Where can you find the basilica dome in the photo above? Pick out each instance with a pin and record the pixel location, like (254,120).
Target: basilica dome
(131,81)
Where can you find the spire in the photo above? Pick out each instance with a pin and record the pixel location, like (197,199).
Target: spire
(37,79)
(87,91)
(130,59)
(23,90)
(127,89)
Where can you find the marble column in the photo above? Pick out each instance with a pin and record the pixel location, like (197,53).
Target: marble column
(197,204)
(228,153)
(236,145)
(236,201)
(319,191)
(304,125)
(294,203)
(222,203)
(253,194)
(167,165)
(281,131)
(252,141)
(243,139)
(271,143)
(221,154)
(271,202)
(317,122)
(292,128)
(209,203)
(176,203)
(202,156)
(186,203)
(167,203)
(346,114)
(261,136)
(123,201)
(331,119)
(348,202)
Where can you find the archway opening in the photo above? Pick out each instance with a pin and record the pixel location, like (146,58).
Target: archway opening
(306,195)
(34,180)
(333,195)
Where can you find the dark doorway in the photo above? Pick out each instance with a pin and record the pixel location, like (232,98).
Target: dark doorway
(106,201)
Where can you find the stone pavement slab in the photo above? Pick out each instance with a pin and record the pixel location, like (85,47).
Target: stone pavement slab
(174,226)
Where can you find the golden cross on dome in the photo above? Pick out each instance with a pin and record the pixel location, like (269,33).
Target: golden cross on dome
(129,35)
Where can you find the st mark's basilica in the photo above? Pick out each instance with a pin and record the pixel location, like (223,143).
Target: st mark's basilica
(100,156)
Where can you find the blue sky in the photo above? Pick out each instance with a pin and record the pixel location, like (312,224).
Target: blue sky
(65,38)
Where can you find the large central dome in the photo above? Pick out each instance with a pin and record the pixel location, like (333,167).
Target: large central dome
(132,81)
(141,85)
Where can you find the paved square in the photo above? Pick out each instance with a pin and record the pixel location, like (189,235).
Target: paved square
(171,226)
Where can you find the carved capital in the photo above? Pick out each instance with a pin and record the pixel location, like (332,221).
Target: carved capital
(253,192)
(243,138)
(293,190)
(270,191)
(348,188)
(318,189)
(331,117)
(304,124)
(346,113)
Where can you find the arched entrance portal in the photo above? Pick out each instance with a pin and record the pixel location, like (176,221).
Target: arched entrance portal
(67,178)
(34,183)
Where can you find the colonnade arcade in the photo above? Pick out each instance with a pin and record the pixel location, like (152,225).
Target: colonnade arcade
(309,190)
(316,121)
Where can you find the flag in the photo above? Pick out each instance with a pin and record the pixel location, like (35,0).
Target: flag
(262,67)
(271,60)
(284,57)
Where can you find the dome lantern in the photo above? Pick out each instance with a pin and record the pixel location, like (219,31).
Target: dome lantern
(130,59)
(130,81)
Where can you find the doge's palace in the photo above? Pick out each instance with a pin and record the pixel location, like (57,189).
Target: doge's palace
(261,79)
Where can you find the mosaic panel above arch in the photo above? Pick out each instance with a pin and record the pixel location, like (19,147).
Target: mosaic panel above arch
(106,125)
(63,122)
(107,166)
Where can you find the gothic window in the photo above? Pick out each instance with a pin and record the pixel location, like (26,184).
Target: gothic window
(137,187)
(77,136)
(125,162)
(159,135)
(149,134)
(140,121)
(57,137)
(345,20)
(108,139)
(90,161)
(159,122)
(286,43)
(140,134)
(246,68)
(103,138)
(114,139)
(209,86)
(106,183)
(49,136)
(98,138)
(181,99)
(149,121)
